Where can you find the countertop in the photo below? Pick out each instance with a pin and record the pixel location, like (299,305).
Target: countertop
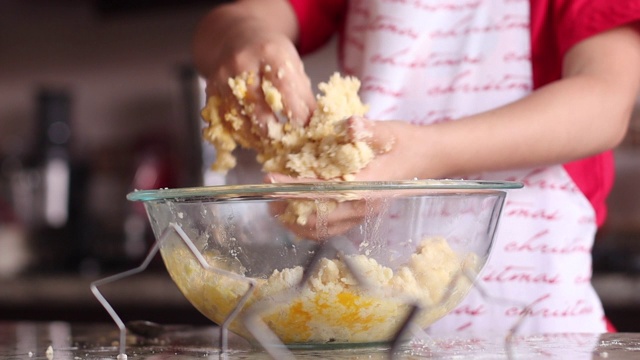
(61,340)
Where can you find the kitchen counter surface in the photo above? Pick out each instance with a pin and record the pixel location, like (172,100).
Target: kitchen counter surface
(61,340)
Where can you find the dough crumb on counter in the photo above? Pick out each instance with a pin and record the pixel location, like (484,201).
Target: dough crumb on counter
(49,352)
(323,149)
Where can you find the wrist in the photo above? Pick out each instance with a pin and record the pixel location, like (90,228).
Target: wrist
(433,160)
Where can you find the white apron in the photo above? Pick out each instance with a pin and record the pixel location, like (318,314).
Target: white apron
(427,61)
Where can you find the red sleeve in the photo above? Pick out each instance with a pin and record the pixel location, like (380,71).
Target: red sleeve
(318,20)
(556,26)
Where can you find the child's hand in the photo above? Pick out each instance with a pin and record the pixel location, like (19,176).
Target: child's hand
(395,144)
(325,219)
(270,66)
(342,214)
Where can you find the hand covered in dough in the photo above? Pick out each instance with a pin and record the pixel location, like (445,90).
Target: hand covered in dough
(260,77)
(322,218)
(395,144)
(252,54)
(253,72)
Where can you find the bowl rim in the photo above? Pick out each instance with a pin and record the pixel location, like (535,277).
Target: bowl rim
(334,186)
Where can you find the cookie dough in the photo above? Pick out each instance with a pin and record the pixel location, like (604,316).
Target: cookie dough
(331,306)
(323,149)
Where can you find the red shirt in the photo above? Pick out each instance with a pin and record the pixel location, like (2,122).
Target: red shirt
(556,26)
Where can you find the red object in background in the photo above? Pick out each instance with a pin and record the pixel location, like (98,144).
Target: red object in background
(154,166)
(6,213)
(153,169)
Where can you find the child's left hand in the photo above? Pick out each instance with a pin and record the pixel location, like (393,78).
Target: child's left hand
(394,161)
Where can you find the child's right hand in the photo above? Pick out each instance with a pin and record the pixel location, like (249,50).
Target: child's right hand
(252,46)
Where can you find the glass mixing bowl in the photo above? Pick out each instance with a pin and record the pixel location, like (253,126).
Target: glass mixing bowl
(326,263)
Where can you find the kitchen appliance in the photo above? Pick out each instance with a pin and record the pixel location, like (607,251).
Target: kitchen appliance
(54,216)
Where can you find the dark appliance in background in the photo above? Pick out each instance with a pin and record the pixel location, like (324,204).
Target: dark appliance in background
(50,188)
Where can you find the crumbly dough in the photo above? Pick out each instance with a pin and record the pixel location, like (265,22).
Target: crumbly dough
(332,306)
(323,149)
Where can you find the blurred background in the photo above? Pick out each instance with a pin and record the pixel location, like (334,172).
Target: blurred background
(98,98)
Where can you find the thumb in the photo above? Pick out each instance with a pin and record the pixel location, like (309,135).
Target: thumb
(375,133)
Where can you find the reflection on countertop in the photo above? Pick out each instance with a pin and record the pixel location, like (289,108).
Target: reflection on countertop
(62,340)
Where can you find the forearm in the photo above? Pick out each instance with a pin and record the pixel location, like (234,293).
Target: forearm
(565,121)
(239,19)
(585,113)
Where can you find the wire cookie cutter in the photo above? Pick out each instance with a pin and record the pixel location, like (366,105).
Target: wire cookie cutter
(152,253)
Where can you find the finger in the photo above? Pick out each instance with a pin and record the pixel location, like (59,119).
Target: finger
(315,232)
(294,86)
(336,221)
(247,90)
(375,133)
(233,111)
(347,212)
